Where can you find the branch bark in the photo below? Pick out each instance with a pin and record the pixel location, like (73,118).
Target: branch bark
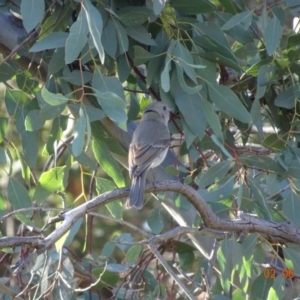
(282,232)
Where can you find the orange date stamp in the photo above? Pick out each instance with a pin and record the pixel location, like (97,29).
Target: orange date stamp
(271,273)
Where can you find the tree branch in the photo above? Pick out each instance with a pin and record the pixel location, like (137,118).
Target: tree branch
(283,232)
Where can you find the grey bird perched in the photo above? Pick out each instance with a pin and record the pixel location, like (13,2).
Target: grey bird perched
(148,149)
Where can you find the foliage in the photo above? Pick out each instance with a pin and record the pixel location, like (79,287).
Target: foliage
(65,127)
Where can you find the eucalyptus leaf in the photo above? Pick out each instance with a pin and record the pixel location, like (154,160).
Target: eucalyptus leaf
(109,38)
(49,182)
(77,38)
(122,38)
(291,207)
(214,174)
(17,195)
(33,120)
(107,162)
(227,101)
(155,221)
(32,12)
(272,35)
(79,133)
(51,41)
(141,55)
(243,18)
(95,26)
(158,6)
(141,35)
(190,107)
(132,16)
(53,99)
(30,145)
(286,99)
(193,7)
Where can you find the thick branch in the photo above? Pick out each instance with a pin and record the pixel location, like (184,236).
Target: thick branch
(278,231)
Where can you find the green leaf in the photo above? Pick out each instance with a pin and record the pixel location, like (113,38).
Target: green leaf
(107,162)
(110,95)
(184,58)
(113,106)
(14,99)
(53,99)
(265,74)
(261,286)
(124,68)
(228,6)
(94,21)
(190,107)
(132,16)
(293,41)
(212,119)
(274,142)
(49,182)
(220,59)
(77,38)
(216,48)
(17,195)
(158,6)
(227,101)
(8,69)
(141,35)
(260,202)
(102,84)
(186,88)
(292,3)
(115,208)
(155,221)
(93,113)
(57,61)
(133,254)
(262,162)
(2,156)
(51,41)
(286,99)
(49,112)
(108,249)
(126,237)
(224,256)
(292,259)
(213,174)
(109,38)
(272,35)
(186,259)
(3,128)
(193,7)
(30,144)
(68,237)
(33,120)
(3,208)
(122,38)
(32,12)
(211,33)
(244,18)
(79,134)
(181,247)
(141,55)
(222,190)
(291,208)
(165,77)
(107,278)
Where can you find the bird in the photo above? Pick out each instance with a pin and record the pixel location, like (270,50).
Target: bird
(148,149)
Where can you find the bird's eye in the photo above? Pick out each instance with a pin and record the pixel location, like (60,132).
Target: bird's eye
(164,107)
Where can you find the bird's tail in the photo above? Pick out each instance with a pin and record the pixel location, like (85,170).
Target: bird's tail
(136,195)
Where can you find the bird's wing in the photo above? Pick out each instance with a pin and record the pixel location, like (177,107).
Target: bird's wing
(142,156)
